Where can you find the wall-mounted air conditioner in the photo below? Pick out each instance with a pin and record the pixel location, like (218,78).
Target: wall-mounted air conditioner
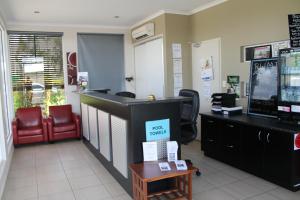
(144,31)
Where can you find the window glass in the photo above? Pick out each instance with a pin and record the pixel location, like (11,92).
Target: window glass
(36,70)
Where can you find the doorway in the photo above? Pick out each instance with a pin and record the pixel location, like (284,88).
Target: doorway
(149,69)
(209,50)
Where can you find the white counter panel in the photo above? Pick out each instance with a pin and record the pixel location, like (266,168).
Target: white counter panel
(93,122)
(85,121)
(119,144)
(104,134)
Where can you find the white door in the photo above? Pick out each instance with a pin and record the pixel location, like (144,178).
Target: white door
(209,49)
(149,69)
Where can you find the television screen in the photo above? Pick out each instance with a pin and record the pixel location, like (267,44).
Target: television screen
(263,87)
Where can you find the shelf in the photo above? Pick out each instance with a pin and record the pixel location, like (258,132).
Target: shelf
(173,194)
(290,74)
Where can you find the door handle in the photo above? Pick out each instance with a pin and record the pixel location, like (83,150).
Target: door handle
(210,140)
(259,135)
(268,138)
(210,121)
(230,146)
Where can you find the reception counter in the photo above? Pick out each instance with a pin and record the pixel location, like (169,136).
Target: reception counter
(114,128)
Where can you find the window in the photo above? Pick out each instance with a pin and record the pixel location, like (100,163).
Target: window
(36,69)
(4,130)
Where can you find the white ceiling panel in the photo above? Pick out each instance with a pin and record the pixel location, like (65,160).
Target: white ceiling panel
(91,12)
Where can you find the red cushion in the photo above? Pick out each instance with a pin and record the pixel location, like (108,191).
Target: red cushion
(64,127)
(30,131)
(61,114)
(29,117)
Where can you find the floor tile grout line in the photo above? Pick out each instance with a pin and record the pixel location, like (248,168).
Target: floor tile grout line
(73,192)
(266,192)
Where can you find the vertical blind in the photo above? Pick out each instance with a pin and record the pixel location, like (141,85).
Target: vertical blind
(36,53)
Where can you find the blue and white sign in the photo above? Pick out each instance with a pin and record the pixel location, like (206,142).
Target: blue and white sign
(158,130)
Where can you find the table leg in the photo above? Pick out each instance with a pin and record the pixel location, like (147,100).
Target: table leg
(145,190)
(190,188)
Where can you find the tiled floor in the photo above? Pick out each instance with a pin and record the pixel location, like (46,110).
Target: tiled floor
(68,171)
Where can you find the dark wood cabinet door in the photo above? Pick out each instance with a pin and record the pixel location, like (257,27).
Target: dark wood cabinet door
(230,143)
(210,137)
(252,149)
(277,156)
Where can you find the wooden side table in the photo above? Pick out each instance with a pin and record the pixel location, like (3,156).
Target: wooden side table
(144,173)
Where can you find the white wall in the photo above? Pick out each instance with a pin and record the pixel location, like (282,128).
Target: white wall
(6,114)
(69,42)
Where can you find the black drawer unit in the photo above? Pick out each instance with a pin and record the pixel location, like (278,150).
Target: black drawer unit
(261,146)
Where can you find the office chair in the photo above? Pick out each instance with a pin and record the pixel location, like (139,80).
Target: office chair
(126,94)
(189,115)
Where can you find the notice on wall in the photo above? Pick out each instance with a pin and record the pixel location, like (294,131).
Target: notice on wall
(177,80)
(176,50)
(294,27)
(207,89)
(177,68)
(207,69)
(276,46)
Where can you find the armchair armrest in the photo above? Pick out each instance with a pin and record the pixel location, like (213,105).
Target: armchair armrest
(45,129)
(76,119)
(15,130)
(50,124)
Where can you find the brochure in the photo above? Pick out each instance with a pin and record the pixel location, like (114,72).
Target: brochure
(181,165)
(164,166)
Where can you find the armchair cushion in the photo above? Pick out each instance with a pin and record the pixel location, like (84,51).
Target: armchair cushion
(62,123)
(61,114)
(29,126)
(30,131)
(29,117)
(64,127)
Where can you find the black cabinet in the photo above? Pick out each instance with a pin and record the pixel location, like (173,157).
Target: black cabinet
(267,153)
(254,146)
(230,137)
(252,150)
(277,156)
(210,137)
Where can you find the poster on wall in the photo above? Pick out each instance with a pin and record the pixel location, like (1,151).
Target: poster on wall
(72,68)
(262,52)
(294,27)
(207,69)
(83,79)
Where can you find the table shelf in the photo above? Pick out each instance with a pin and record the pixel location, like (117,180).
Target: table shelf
(145,173)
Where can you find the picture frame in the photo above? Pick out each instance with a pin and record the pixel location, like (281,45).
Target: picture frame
(262,52)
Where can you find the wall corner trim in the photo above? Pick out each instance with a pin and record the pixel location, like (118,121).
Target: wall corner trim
(207,6)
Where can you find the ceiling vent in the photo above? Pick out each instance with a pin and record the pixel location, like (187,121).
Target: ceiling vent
(143,32)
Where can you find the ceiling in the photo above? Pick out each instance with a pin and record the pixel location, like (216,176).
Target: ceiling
(92,12)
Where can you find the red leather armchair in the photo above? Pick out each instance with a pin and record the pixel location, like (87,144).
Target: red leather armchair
(62,123)
(29,126)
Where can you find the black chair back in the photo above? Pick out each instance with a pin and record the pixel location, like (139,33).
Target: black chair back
(190,109)
(126,94)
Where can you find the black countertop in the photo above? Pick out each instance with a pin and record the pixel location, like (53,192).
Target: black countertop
(130,101)
(263,122)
